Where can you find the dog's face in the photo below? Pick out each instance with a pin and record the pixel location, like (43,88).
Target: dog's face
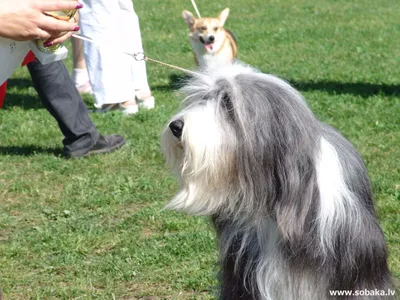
(199,145)
(231,129)
(207,32)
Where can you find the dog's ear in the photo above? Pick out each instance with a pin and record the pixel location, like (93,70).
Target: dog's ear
(189,18)
(223,16)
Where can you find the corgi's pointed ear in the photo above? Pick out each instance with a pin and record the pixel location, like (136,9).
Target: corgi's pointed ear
(223,16)
(189,18)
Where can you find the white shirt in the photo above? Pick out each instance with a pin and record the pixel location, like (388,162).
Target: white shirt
(12,55)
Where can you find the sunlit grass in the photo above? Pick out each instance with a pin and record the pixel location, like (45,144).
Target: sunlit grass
(95,229)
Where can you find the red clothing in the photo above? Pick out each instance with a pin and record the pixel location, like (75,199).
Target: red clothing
(3,90)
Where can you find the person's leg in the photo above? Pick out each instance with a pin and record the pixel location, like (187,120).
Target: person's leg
(80,75)
(109,74)
(77,50)
(131,29)
(59,95)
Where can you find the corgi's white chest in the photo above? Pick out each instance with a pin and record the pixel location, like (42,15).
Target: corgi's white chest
(209,58)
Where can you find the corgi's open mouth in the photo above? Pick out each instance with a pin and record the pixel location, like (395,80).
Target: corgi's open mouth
(208,45)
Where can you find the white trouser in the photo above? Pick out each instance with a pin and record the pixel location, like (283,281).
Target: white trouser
(114,26)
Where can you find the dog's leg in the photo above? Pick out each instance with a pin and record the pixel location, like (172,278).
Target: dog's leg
(236,276)
(233,285)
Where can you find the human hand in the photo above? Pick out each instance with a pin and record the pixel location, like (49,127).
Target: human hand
(58,38)
(23,20)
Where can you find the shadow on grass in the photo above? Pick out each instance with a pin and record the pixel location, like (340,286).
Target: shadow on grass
(175,83)
(177,80)
(28,150)
(358,89)
(22,100)
(25,101)
(23,83)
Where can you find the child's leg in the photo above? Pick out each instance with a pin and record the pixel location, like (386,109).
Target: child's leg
(108,71)
(79,73)
(141,87)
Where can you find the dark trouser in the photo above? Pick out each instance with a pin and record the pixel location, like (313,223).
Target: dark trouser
(60,97)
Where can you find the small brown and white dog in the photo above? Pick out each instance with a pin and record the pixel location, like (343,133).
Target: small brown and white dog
(212,43)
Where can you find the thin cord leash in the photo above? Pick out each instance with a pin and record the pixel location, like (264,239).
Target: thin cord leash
(196,9)
(139,56)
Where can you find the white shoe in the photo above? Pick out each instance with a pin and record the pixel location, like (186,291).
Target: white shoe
(145,99)
(148,103)
(130,109)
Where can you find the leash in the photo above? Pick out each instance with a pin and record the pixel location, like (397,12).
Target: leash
(195,8)
(139,56)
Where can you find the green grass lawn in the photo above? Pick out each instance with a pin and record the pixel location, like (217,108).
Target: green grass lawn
(95,228)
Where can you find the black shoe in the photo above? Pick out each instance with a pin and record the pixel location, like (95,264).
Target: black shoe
(105,144)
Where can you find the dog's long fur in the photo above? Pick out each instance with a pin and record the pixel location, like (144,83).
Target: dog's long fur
(289,196)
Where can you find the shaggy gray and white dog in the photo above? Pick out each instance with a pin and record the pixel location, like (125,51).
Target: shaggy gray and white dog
(289,196)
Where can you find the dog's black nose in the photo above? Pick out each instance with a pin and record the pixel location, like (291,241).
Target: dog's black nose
(176,127)
(211,38)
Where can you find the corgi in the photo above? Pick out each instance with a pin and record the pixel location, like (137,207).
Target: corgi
(212,44)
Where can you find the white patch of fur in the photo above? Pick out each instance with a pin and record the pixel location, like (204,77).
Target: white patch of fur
(269,273)
(338,205)
(275,280)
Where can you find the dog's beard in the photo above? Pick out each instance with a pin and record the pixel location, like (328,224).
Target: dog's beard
(203,159)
